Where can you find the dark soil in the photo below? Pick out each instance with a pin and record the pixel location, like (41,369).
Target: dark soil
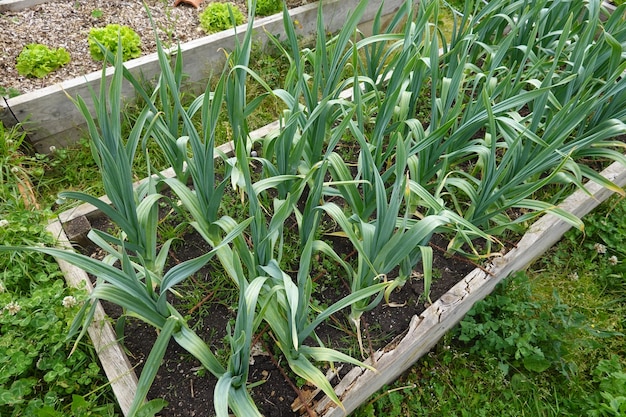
(182,382)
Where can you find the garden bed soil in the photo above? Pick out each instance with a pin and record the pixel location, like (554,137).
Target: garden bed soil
(189,390)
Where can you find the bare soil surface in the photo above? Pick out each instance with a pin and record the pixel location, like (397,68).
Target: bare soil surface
(66,23)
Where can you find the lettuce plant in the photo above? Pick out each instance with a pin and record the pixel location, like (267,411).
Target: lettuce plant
(220,16)
(268,7)
(109,36)
(39,60)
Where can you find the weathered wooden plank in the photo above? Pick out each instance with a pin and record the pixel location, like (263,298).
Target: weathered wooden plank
(14,5)
(426,329)
(113,359)
(52,118)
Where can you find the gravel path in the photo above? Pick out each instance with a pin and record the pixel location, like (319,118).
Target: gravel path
(66,23)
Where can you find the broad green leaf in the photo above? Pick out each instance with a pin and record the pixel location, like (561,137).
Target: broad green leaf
(302,367)
(193,344)
(221,396)
(536,363)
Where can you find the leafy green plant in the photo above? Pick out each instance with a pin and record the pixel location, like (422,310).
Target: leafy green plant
(36,311)
(109,36)
(218,16)
(520,333)
(39,60)
(9,92)
(19,167)
(268,7)
(610,400)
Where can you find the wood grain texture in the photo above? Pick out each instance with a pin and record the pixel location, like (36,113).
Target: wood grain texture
(114,361)
(13,5)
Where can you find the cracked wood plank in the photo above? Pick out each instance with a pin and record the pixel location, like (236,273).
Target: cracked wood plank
(426,329)
(114,361)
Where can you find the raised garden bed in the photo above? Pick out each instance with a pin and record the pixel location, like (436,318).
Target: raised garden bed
(423,332)
(53,120)
(387,175)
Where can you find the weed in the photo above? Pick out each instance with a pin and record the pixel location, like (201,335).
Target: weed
(9,92)
(169,27)
(520,333)
(36,312)
(610,399)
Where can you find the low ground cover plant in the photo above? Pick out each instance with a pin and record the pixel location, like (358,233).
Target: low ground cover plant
(506,97)
(39,376)
(268,7)
(39,60)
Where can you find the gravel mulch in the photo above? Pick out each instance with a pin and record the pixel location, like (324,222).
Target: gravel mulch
(66,23)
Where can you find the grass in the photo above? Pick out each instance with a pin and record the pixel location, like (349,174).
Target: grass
(568,308)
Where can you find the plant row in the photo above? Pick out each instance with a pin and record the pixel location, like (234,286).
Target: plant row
(515,101)
(38,60)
